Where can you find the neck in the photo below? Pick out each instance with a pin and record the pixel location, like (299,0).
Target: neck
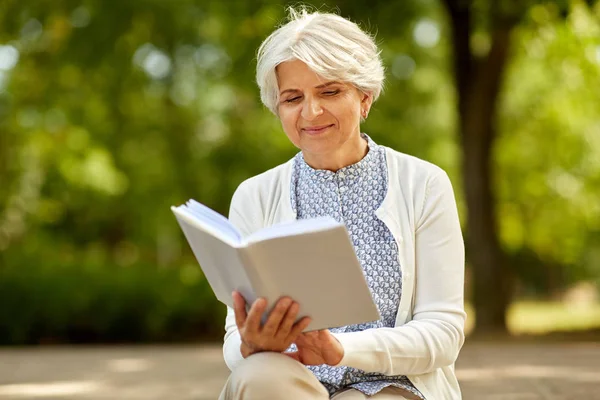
(349,153)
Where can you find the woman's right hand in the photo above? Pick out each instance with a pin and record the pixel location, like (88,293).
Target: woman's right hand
(278,332)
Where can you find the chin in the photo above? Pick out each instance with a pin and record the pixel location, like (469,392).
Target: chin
(314,148)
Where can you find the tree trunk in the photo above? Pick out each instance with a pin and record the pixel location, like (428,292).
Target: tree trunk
(478,84)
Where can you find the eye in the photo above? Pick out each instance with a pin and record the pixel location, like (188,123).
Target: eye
(331,92)
(292,100)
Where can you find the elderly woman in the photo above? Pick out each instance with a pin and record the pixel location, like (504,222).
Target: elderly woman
(320,74)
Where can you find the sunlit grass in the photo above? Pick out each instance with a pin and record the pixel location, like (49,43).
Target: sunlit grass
(527,317)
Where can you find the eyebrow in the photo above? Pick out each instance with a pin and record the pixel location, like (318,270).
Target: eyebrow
(321,86)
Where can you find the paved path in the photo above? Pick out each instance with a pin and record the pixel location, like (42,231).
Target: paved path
(487,371)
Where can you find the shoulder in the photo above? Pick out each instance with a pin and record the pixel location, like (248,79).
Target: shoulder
(419,184)
(260,192)
(254,197)
(411,169)
(263,183)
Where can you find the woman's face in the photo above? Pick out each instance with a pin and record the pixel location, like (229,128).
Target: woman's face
(320,117)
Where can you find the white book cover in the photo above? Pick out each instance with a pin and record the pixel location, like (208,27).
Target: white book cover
(312,261)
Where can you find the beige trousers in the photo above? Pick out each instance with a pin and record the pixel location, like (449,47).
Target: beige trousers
(273,376)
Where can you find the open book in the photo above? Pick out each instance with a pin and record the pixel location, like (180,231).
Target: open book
(312,261)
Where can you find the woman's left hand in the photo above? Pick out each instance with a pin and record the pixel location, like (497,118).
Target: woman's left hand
(317,347)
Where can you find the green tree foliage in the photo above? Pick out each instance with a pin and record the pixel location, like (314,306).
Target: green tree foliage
(479,71)
(548,155)
(111,112)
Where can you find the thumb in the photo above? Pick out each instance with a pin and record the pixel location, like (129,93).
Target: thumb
(300,340)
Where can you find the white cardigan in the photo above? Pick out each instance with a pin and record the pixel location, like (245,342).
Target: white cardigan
(420,211)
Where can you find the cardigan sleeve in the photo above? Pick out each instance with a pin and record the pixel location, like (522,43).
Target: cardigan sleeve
(433,338)
(240,215)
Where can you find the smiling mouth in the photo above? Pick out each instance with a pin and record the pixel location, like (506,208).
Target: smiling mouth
(316,129)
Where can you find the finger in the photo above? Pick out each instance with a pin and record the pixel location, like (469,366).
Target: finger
(288,320)
(306,337)
(239,306)
(299,327)
(255,314)
(276,316)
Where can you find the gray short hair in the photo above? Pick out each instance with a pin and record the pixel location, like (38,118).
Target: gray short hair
(332,46)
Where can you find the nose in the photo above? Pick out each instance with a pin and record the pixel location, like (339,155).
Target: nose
(311,109)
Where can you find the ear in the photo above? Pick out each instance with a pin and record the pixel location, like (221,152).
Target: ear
(366,101)
(365,104)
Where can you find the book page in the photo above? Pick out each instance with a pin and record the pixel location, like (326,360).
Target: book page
(295,227)
(321,272)
(209,225)
(213,218)
(219,260)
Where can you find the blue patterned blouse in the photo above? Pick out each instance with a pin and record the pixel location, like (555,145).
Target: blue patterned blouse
(351,195)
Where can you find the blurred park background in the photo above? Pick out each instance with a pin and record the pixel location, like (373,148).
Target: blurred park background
(112,111)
